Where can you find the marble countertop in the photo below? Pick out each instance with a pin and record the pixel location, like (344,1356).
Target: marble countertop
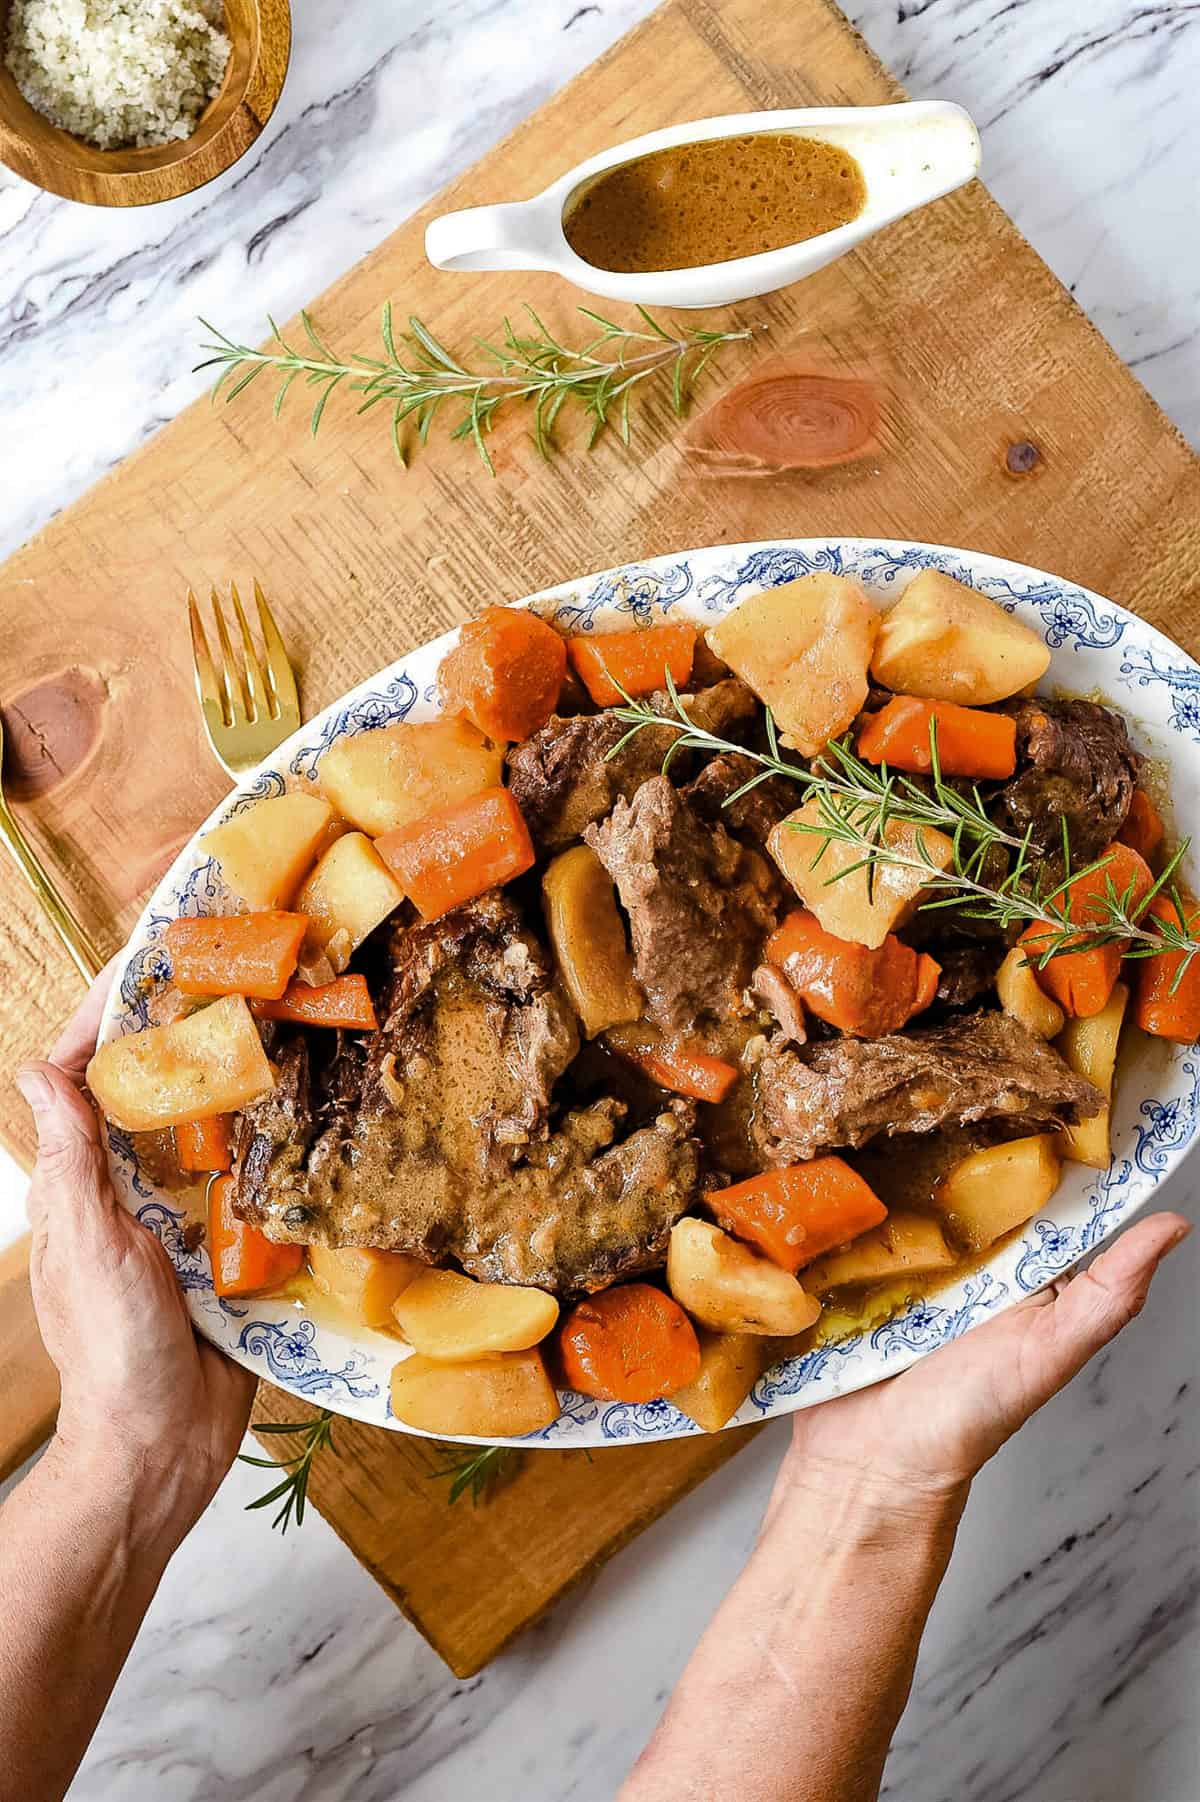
(1062,1662)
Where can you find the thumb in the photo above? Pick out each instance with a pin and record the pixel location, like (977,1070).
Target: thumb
(70,1173)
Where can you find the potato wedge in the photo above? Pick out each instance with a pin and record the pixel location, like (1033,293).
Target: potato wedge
(1089,1046)
(347,896)
(729,1288)
(209,1062)
(490,1398)
(906,1243)
(803,648)
(265,850)
(364,1283)
(849,907)
(1022,996)
(951,643)
(588,936)
(452,1318)
(393,775)
(730,1365)
(991,1191)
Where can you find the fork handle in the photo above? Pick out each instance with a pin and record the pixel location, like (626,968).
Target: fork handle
(83,953)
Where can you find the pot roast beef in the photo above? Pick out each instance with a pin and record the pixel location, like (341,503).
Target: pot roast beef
(845,1092)
(751,816)
(433,1136)
(1074,763)
(568,774)
(699,905)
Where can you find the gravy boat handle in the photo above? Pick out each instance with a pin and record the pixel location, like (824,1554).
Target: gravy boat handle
(512,236)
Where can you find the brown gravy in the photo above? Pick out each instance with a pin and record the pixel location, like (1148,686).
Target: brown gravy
(713,201)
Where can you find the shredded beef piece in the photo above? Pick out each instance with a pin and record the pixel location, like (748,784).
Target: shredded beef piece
(1074,763)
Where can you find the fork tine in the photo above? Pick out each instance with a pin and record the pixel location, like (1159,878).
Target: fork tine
(281,681)
(208,689)
(259,703)
(231,684)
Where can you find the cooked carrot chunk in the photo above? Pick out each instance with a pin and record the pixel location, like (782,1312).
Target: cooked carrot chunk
(1082,981)
(1165,1003)
(244,1261)
(205,1144)
(852,987)
(505,673)
(346,1001)
(612,665)
(235,954)
(630,1344)
(676,1064)
(455,853)
(970,742)
(1143,830)
(800,1212)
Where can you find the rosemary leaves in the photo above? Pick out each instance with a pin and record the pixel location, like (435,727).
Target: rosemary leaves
(292,1489)
(417,376)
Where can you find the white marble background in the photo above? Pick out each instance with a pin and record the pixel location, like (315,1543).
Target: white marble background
(1062,1663)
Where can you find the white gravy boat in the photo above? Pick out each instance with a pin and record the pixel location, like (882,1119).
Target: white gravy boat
(909,154)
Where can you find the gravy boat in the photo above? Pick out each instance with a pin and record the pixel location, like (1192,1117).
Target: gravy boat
(909,154)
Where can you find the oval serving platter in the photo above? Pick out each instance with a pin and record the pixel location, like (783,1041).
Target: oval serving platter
(1096,647)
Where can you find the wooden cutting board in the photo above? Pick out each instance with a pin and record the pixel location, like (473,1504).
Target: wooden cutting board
(1006,424)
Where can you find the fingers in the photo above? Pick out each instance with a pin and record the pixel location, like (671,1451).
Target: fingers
(1094,1306)
(77,1041)
(70,1173)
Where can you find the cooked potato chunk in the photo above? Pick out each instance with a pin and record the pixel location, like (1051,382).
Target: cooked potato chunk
(586,931)
(393,775)
(731,1289)
(906,1243)
(952,643)
(730,1365)
(804,649)
(490,1398)
(1022,996)
(363,1282)
(266,849)
(209,1062)
(347,895)
(451,1317)
(1089,1045)
(1000,1187)
(849,907)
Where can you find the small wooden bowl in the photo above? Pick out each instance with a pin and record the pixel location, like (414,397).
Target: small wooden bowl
(260,35)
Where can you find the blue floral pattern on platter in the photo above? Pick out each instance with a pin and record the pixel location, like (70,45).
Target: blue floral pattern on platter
(1094,645)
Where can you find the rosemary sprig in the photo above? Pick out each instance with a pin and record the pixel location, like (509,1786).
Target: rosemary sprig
(314,1435)
(478,1472)
(417,375)
(858,801)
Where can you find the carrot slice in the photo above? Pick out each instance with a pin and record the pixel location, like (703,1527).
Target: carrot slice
(346,1001)
(676,1064)
(1082,981)
(457,852)
(852,987)
(1165,1003)
(1143,830)
(235,954)
(970,742)
(244,1261)
(205,1144)
(798,1213)
(632,1344)
(505,673)
(612,665)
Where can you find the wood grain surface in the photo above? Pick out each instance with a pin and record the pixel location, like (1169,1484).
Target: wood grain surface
(1004,423)
(260,34)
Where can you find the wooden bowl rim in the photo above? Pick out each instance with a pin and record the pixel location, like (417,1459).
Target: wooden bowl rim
(52,170)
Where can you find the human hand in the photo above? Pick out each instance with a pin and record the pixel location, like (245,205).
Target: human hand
(922,1436)
(153,1410)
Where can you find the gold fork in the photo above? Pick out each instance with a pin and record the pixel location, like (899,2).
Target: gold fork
(86,958)
(249,708)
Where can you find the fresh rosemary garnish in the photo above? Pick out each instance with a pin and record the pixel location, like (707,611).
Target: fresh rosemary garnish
(858,801)
(417,375)
(478,1472)
(315,1436)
